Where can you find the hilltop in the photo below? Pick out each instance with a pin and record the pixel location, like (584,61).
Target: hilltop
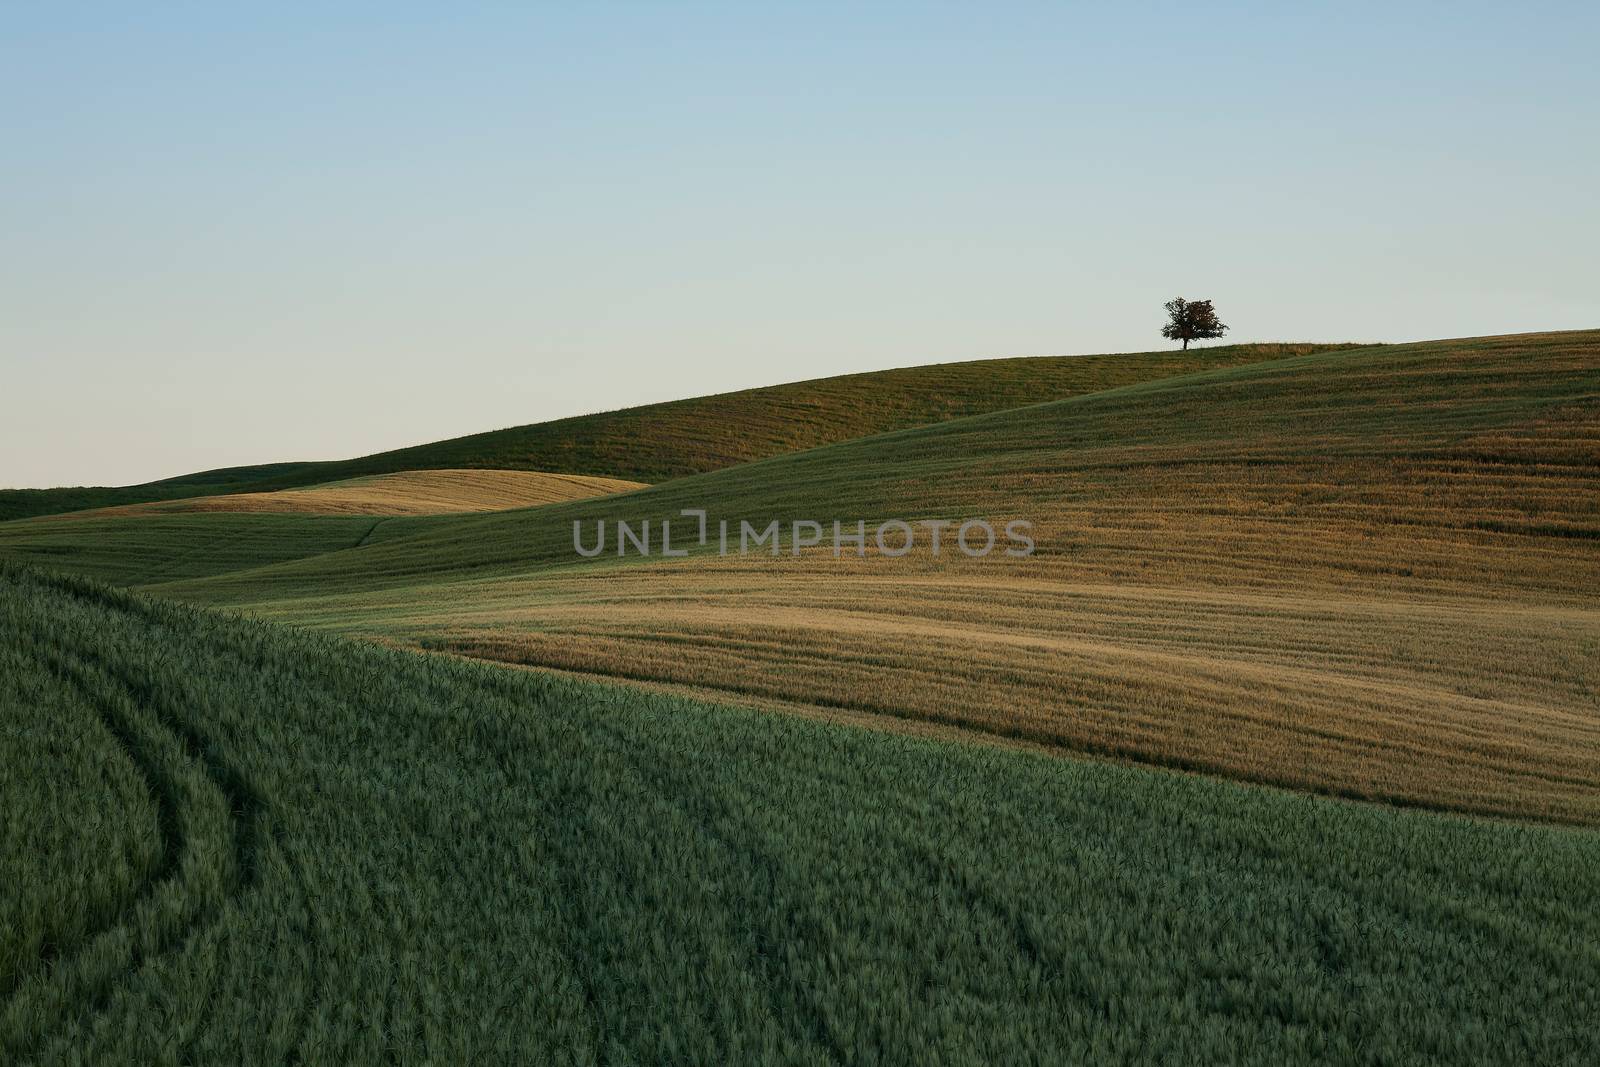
(657,442)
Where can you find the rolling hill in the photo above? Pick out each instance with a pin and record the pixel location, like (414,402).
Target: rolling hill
(1365,572)
(226,841)
(660,441)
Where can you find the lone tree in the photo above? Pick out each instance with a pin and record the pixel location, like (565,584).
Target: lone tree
(1191,320)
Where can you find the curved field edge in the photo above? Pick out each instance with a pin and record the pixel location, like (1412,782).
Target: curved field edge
(469,863)
(655,442)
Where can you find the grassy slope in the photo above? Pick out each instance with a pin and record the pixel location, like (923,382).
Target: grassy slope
(660,441)
(361,855)
(1370,573)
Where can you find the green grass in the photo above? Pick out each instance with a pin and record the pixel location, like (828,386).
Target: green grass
(660,441)
(315,851)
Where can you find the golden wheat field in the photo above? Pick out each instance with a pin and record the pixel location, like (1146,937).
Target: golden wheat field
(425,492)
(1477,705)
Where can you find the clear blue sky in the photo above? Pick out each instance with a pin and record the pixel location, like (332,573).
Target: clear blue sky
(315,231)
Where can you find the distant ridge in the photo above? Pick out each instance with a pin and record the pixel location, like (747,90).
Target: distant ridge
(656,442)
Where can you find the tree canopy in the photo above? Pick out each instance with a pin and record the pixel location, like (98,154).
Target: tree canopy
(1191,320)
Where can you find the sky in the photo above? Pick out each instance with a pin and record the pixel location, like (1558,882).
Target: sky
(248,233)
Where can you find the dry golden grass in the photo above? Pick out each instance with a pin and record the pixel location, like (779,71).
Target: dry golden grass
(429,492)
(1455,702)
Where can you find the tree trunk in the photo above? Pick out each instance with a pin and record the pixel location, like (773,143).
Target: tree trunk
(1186,344)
